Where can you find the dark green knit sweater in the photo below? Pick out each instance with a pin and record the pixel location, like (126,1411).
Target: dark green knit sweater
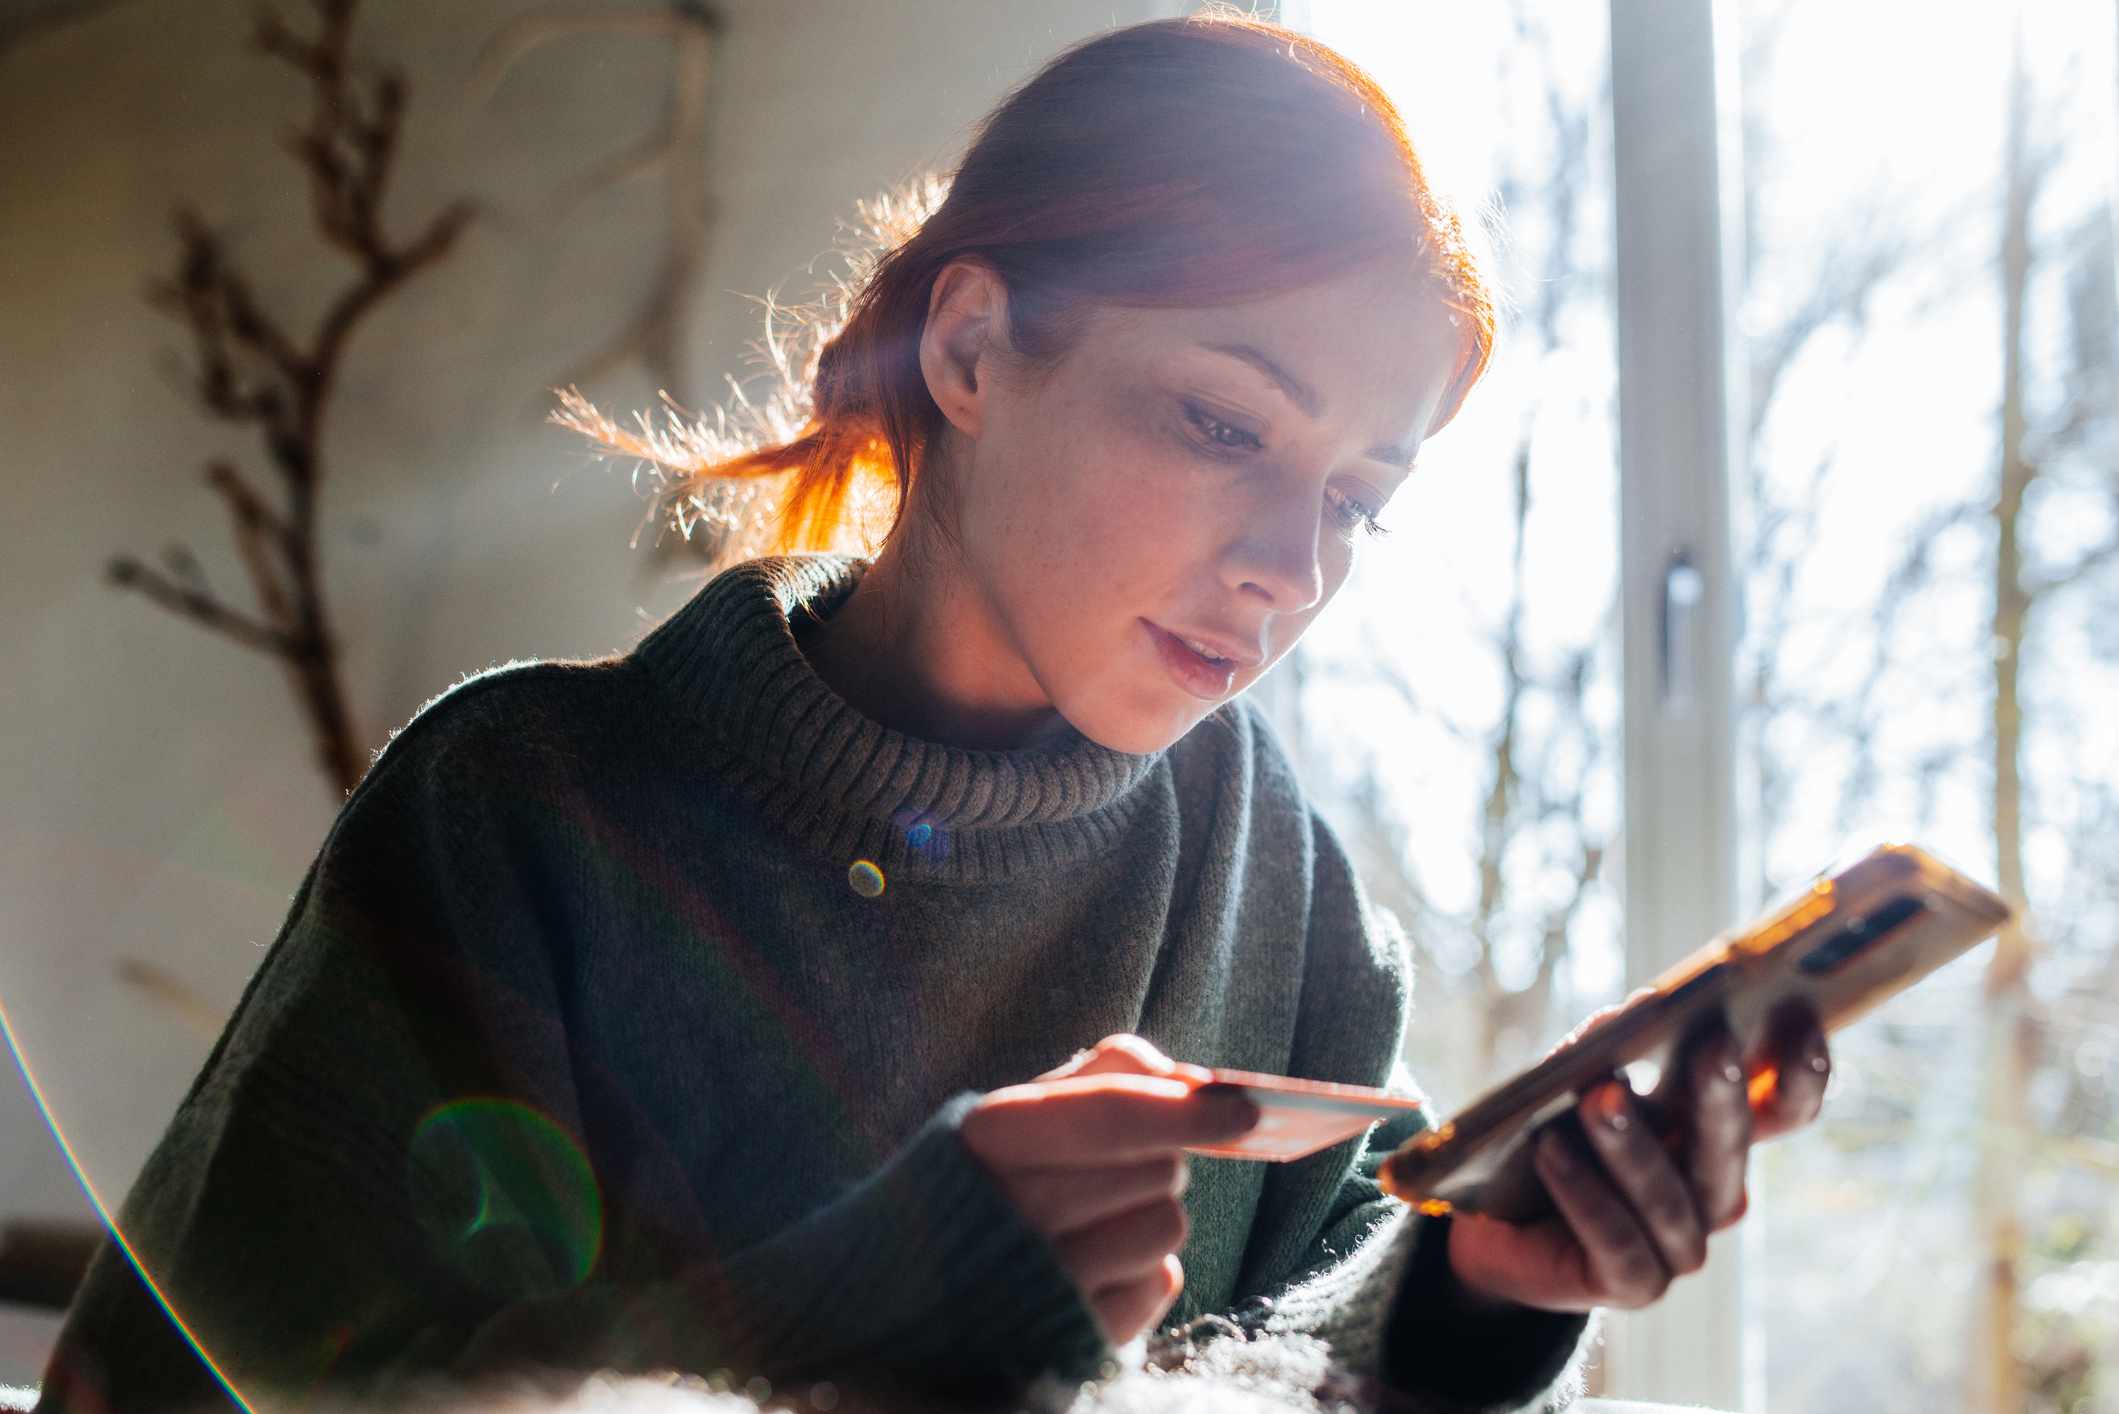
(591,1041)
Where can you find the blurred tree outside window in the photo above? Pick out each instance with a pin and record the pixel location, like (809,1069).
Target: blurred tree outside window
(1927,543)
(1930,540)
(1457,711)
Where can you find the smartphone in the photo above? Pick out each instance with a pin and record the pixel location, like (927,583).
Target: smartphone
(1855,936)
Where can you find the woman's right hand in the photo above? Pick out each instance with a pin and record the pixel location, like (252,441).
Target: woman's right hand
(1092,1155)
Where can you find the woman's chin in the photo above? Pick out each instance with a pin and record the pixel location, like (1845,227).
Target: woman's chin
(1150,728)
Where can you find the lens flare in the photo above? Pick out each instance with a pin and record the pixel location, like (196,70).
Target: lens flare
(83,1387)
(866,879)
(506,1195)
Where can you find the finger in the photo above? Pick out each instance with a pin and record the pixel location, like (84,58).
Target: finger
(1598,1017)
(1127,1309)
(1643,1172)
(1705,1090)
(1125,1246)
(1070,1066)
(1790,1074)
(1621,1258)
(1096,1121)
(1125,1053)
(1061,1200)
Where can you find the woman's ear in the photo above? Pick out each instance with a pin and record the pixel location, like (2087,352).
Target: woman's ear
(967,310)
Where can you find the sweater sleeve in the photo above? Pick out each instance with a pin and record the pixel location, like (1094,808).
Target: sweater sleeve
(1368,1275)
(381,1173)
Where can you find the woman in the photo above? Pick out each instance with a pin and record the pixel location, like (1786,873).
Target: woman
(677,1008)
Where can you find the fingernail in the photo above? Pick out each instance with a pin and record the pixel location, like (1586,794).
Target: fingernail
(1818,1062)
(1232,1106)
(1611,1108)
(1728,1061)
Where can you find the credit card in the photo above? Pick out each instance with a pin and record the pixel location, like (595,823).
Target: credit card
(1299,1117)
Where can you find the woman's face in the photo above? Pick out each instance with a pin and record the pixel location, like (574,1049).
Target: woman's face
(1162,483)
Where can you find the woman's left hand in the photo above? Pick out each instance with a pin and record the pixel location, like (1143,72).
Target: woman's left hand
(1633,1213)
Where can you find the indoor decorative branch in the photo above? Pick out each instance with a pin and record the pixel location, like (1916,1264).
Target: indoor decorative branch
(686,29)
(251,370)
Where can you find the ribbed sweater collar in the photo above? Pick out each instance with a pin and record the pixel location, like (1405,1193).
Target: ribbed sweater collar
(845,783)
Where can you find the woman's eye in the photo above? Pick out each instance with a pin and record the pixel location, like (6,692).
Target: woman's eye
(1352,515)
(1224,435)
(1349,514)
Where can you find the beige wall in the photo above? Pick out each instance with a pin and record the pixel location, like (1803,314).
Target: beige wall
(161,800)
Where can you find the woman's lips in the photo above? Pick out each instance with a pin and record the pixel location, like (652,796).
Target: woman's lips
(1199,676)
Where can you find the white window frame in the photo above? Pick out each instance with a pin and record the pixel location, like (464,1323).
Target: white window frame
(1678,183)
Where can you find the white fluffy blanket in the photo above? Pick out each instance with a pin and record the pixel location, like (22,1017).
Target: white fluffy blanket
(1264,1374)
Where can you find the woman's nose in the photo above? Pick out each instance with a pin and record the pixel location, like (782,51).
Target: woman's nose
(1277,557)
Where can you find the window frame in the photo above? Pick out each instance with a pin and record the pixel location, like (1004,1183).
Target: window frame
(1678,190)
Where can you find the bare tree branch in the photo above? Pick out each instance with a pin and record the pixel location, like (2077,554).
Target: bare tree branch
(2086,564)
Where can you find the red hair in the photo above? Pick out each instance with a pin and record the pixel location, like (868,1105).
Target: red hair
(1182,162)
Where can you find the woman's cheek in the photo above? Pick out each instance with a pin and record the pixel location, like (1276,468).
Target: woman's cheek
(1335,561)
(1147,489)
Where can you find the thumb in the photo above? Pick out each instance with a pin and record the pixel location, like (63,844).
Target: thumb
(1598,1017)
(1533,1264)
(1126,1054)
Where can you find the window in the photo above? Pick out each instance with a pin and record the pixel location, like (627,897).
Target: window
(1457,711)
(1766,255)
(1929,544)
(1457,708)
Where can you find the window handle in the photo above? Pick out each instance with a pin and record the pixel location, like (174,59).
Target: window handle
(1683,587)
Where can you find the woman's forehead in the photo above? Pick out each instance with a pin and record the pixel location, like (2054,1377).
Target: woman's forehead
(1364,337)
(1313,317)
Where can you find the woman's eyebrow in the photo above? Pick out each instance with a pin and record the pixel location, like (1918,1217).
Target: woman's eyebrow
(1304,396)
(1299,393)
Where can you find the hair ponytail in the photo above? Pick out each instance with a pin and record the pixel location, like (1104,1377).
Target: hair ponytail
(1177,162)
(808,466)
